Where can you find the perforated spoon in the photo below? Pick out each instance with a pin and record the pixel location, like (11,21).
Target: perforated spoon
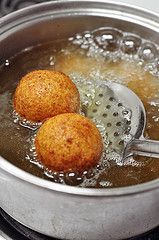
(124,100)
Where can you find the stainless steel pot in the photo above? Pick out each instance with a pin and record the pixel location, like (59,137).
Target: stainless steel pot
(63,211)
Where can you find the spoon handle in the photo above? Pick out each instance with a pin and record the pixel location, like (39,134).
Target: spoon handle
(147,148)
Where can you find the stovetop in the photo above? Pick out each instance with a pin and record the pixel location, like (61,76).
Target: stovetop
(12,230)
(9,228)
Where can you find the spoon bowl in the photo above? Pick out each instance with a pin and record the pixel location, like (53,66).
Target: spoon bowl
(137,144)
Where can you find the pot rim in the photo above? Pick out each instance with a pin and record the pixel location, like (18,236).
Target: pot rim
(28,178)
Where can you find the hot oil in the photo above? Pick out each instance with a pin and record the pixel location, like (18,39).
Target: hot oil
(102,55)
(15,135)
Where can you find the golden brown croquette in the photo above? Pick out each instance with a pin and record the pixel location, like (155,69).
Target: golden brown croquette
(43,94)
(69,142)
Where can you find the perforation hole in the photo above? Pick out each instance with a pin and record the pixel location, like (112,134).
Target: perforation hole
(104,115)
(108,106)
(110,143)
(118,124)
(111,99)
(115,114)
(121,143)
(125,112)
(128,122)
(120,104)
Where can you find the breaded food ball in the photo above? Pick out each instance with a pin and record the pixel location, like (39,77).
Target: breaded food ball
(43,94)
(69,142)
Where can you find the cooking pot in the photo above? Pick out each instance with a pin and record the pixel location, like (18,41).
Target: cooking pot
(68,212)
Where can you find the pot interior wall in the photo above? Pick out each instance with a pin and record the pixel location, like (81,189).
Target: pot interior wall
(41,30)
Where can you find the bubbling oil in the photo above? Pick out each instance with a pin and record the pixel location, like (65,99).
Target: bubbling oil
(105,54)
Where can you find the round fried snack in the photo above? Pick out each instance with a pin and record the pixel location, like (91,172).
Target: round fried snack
(69,142)
(43,94)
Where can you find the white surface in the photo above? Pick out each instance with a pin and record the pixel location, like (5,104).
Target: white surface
(152,5)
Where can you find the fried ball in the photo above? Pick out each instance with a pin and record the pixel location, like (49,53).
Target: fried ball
(69,142)
(43,94)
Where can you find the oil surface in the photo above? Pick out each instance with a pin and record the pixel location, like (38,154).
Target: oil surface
(106,55)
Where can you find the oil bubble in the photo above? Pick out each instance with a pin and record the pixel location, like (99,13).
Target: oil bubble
(107,38)
(147,51)
(130,44)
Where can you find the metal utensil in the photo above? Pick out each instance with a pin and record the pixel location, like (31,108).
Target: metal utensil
(124,97)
